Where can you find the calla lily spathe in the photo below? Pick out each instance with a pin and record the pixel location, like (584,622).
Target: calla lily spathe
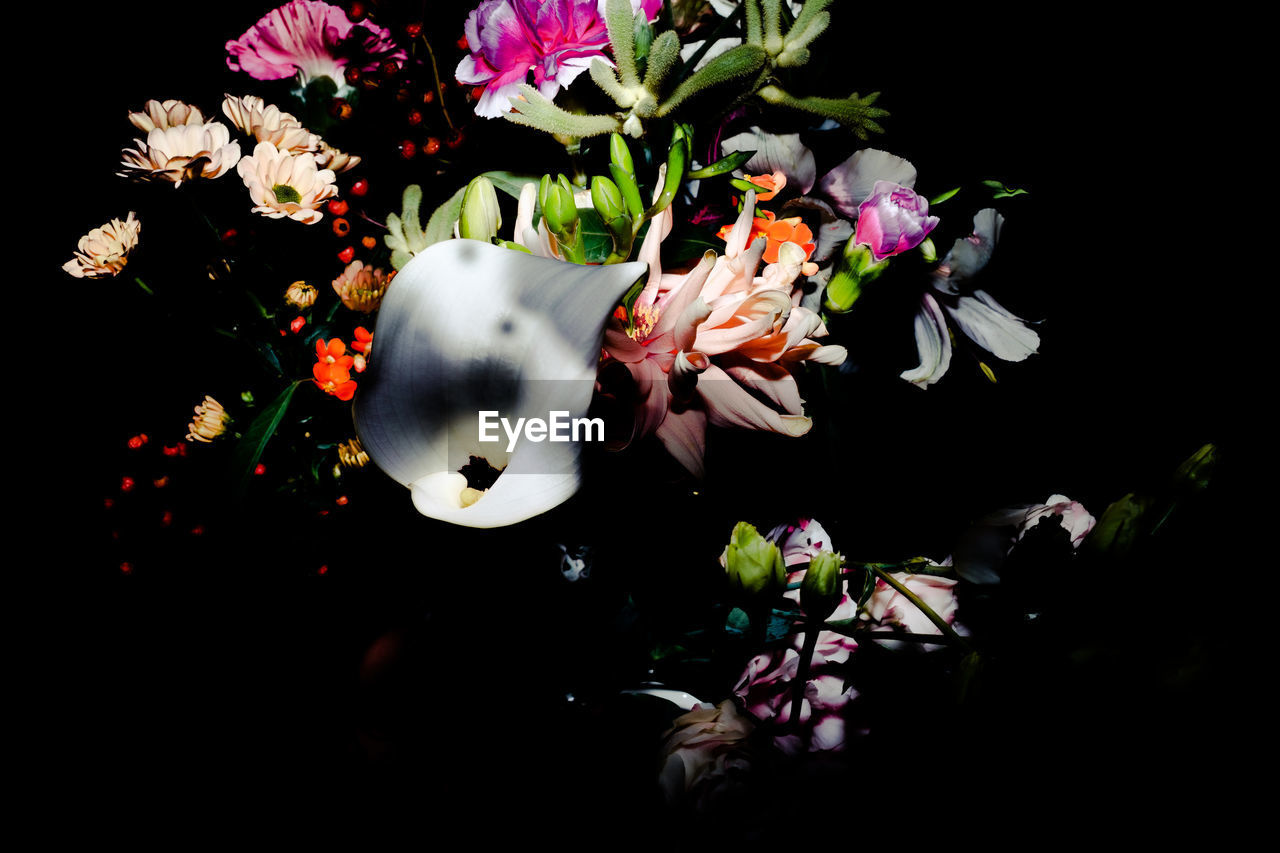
(467,327)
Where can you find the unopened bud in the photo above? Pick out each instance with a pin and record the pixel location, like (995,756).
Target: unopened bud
(820,590)
(855,267)
(481,217)
(753,563)
(607,198)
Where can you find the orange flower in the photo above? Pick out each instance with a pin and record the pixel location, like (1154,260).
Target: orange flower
(363,341)
(332,369)
(773,184)
(779,231)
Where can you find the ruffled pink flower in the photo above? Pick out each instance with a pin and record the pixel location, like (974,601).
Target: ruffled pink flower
(718,344)
(892,610)
(893,219)
(557,41)
(310,38)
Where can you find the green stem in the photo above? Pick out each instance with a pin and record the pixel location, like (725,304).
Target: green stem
(802,679)
(435,74)
(144,287)
(929,612)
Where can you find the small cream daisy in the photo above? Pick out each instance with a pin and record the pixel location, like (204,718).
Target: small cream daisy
(104,251)
(268,123)
(182,153)
(211,421)
(164,115)
(283,184)
(329,157)
(300,295)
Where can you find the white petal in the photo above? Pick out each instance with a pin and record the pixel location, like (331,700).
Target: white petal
(993,328)
(469,327)
(775,152)
(932,342)
(849,184)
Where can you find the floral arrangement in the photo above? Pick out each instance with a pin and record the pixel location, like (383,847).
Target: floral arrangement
(434,249)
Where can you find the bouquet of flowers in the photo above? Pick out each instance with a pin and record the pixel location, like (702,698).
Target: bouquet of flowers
(599,290)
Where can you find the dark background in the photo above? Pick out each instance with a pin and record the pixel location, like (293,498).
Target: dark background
(226,669)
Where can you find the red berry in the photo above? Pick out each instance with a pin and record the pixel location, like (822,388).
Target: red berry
(259,469)
(413,30)
(297,323)
(389,68)
(369,242)
(161,482)
(341,227)
(352,74)
(229,236)
(408,148)
(357,11)
(342,501)
(167,518)
(126,568)
(431,146)
(127,484)
(347,254)
(108,503)
(340,109)
(454,139)
(338,207)
(428,96)
(462,43)
(322,570)
(360,187)
(137,441)
(198,530)
(415,117)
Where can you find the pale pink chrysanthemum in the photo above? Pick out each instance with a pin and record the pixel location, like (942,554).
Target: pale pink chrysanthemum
(182,153)
(165,114)
(361,287)
(268,123)
(211,421)
(283,184)
(328,157)
(310,39)
(104,251)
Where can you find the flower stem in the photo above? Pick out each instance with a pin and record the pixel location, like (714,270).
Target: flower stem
(435,73)
(802,679)
(947,630)
(144,287)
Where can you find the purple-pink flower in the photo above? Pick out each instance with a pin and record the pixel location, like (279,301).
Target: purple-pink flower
(310,38)
(893,219)
(555,39)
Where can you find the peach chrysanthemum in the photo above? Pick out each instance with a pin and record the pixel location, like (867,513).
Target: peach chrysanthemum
(104,251)
(283,184)
(182,153)
(164,115)
(268,123)
(328,157)
(300,295)
(211,421)
(361,288)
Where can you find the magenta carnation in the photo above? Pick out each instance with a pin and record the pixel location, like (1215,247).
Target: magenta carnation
(555,39)
(309,39)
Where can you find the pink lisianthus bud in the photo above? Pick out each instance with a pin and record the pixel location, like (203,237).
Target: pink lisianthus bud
(893,219)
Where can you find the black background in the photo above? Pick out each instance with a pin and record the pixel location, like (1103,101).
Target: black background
(220,675)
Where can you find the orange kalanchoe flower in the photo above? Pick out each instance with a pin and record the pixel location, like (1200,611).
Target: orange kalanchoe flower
(773,184)
(332,369)
(778,231)
(363,345)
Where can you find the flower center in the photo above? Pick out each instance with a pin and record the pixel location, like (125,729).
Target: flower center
(286,194)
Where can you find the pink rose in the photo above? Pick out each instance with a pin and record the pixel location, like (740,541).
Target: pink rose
(705,751)
(891,609)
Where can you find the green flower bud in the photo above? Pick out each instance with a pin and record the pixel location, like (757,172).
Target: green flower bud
(854,268)
(630,190)
(1193,474)
(481,218)
(821,588)
(607,198)
(620,154)
(754,564)
(559,208)
(928,250)
(1120,525)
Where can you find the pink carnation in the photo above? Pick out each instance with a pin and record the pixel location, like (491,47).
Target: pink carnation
(310,39)
(557,41)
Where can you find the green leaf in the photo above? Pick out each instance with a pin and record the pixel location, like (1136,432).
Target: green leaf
(941,198)
(781,623)
(539,112)
(440,225)
(253,441)
(724,165)
(596,239)
(1001,190)
(510,183)
(735,64)
(682,248)
(738,621)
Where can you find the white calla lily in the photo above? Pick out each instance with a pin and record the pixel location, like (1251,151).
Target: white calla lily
(468,327)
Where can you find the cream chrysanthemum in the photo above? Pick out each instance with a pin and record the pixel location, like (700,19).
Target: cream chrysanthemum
(211,421)
(361,288)
(268,123)
(283,184)
(104,251)
(329,157)
(164,115)
(182,153)
(300,295)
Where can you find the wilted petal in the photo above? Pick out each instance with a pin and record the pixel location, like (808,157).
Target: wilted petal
(729,404)
(970,254)
(993,328)
(469,327)
(933,343)
(849,184)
